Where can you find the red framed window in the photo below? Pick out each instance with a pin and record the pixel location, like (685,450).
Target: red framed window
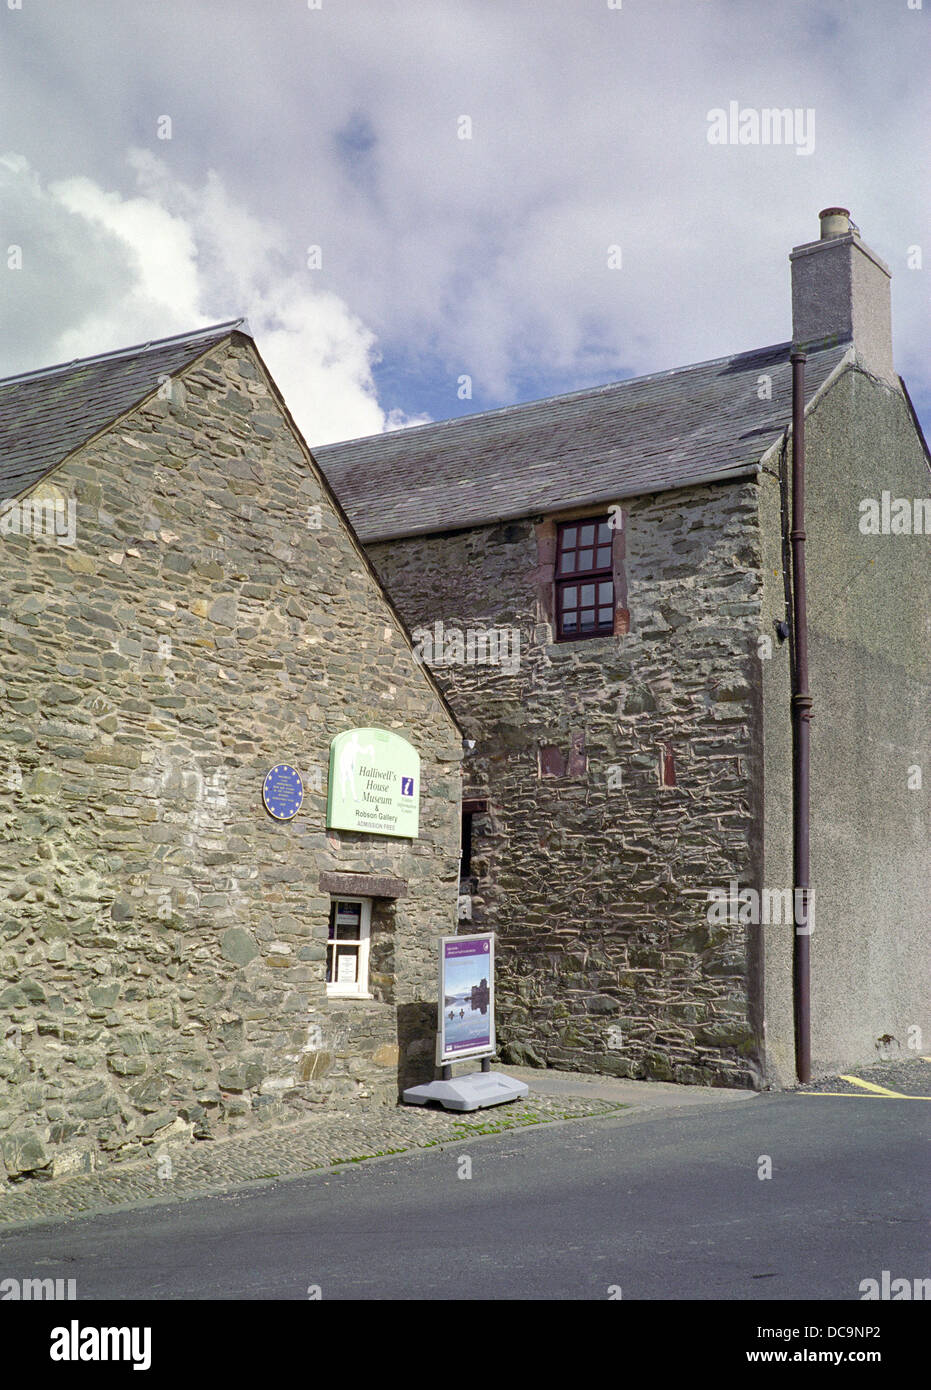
(584,579)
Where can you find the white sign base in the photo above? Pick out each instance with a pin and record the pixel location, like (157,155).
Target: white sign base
(472,1092)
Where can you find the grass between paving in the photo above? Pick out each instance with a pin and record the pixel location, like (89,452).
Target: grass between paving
(460,1131)
(465,1130)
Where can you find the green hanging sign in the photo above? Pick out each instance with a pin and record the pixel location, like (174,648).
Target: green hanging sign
(374,783)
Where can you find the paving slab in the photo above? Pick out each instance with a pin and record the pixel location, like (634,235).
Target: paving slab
(651,1095)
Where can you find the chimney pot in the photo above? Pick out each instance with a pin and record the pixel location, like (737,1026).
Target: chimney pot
(834,222)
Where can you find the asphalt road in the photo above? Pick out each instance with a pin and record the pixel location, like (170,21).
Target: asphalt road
(661,1206)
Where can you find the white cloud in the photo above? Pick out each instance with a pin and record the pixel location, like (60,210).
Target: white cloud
(161,250)
(174,257)
(488,257)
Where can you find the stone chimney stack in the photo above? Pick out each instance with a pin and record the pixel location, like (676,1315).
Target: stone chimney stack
(840,289)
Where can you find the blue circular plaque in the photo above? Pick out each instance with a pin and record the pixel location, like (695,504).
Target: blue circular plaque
(283,791)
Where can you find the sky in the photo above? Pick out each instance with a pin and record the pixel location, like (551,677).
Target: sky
(464,972)
(430,207)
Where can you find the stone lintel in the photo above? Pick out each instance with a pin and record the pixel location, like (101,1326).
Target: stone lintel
(363,885)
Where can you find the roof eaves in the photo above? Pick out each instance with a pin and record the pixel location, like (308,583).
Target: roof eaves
(728,475)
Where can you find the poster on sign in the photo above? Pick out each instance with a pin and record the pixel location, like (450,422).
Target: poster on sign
(467,997)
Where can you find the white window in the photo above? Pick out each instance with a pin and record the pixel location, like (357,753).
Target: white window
(347,956)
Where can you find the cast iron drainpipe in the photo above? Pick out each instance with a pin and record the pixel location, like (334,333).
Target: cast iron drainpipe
(801,742)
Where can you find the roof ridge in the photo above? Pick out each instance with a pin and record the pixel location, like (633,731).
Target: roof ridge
(569,395)
(677,428)
(199,333)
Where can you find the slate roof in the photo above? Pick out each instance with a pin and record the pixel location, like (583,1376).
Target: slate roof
(646,434)
(46,415)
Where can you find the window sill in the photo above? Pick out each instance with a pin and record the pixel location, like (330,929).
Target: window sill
(620,628)
(332,993)
(566,647)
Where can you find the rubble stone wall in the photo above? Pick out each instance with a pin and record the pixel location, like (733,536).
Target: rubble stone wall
(162,938)
(594,875)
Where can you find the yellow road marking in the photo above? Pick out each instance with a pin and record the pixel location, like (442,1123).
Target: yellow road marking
(856,1095)
(869,1086)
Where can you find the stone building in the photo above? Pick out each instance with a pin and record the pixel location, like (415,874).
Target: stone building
(600,582)
(185,610)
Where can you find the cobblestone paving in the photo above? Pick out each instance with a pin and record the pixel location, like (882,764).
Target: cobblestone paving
(283,1152)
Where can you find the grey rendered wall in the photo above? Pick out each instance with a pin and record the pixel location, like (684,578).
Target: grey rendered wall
(870,639)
